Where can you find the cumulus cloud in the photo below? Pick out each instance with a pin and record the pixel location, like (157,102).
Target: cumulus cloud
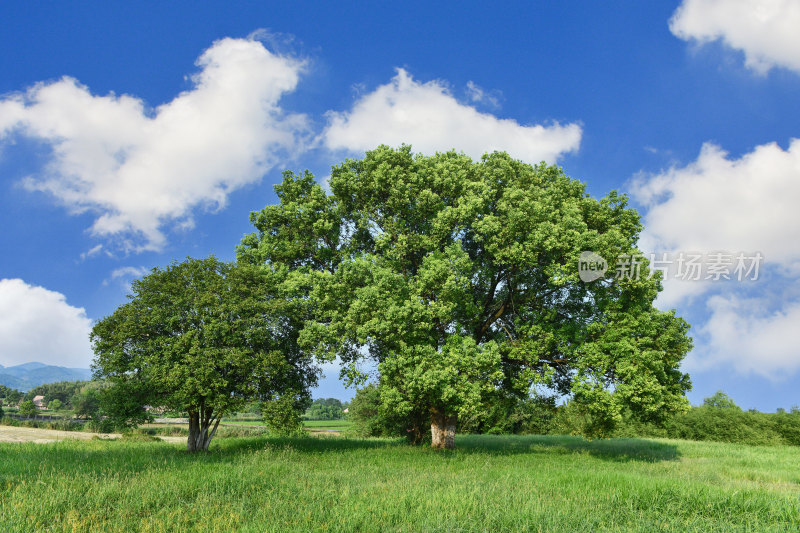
(742,335)
(765,30)
(479,95)
(719,203)
(37,324)
(91,252)
(129,272)
(140,169)
(734,204)
(427,116)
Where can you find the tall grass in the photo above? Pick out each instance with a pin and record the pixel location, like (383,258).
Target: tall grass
(490,483)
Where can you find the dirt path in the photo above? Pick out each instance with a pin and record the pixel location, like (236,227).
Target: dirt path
(21,434)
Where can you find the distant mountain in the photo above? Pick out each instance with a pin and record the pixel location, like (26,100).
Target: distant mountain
(29,375)
(13,382)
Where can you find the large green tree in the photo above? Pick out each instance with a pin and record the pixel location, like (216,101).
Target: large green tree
(204,337)
(460,280)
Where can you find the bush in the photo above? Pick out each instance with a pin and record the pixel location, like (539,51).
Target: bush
(8,421)
(510,414)
(371,419)
(28,408)
(282,416)
(787,425)
(101,425)
(724,425)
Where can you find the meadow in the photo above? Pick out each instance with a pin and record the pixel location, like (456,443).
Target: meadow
(489,483)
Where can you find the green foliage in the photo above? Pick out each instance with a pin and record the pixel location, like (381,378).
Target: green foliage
(63,391)
(370,418)
(28,408)
(282,415)
(325,409)
(204,337)
(718,419)
(55,404)
(4,392)
(9,396)
(725,425)
(720,400)
(61,425)
(511,414)
(460,278)
(86,402)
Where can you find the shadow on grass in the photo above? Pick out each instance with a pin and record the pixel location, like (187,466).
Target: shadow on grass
(128,457)
(621,450)
(134,456)
(321,444)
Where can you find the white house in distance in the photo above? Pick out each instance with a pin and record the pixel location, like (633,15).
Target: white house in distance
(38,401)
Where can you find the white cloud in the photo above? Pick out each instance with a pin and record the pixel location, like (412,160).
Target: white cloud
(91,252)
(743,335)
(39,325)
(129,272)
(747,204)
(717,203)
(140,169)
(765,30)
(429,118)
(479,95)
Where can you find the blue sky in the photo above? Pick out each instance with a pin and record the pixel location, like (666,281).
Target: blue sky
(134,134)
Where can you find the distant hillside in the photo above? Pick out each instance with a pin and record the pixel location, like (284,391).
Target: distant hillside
(29,375)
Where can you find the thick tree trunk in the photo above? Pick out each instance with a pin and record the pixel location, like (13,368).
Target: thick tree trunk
(199,434)
(443,430)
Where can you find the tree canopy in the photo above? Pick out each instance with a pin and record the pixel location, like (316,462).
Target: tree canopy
(204,337)
(460,280)
(325,409)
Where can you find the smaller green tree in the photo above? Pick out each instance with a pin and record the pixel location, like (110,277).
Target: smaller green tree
(282,415)
(86,403)
(13,397)
(4,391)
(55,405)
(206,338)
(28,408)
(720,400)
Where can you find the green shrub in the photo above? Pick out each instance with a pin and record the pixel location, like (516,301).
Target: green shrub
(725,425)
(787,425)
(371,419)
(283,416)
(28,408)
(509,414)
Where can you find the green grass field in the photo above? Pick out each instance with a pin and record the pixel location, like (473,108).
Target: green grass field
(490,483)
(327,424)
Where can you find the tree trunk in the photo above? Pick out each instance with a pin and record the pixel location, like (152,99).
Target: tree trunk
(199,434)
(443,430)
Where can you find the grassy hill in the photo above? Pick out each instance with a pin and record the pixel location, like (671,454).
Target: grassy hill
(490,483)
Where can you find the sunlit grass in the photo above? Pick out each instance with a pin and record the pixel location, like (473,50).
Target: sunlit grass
(489,483)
